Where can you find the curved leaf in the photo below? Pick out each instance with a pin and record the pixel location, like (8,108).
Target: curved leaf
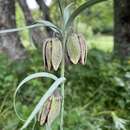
(50,25)
(28,78)
(80,9)
(50,91)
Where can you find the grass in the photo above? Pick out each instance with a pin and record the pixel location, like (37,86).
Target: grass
(102,42)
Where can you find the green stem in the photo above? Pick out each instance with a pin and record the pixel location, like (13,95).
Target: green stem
(62,86)
(62,108)
(61,8)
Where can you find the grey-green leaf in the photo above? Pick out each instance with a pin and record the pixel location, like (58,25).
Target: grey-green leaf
(20,29)
(44,98)
(50,25)
(28,78)
(67,12)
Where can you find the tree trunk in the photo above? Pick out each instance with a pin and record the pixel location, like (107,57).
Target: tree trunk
(122,28)
(26,12)
(36,34)
(46,13)
(9,42)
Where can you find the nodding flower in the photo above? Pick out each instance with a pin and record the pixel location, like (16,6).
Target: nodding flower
(76,49)
(52,53)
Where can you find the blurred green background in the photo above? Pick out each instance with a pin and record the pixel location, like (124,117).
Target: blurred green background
(92,91)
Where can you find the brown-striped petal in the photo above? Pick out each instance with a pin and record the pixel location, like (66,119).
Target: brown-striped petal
(43,114)
(44,52)
(48,54)
(83,49)
(55,108)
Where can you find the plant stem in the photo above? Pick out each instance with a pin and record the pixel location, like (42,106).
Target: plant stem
(61,8)
(62,107)
(62,86)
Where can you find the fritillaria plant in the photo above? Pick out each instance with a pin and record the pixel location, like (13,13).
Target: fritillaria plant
(67,46)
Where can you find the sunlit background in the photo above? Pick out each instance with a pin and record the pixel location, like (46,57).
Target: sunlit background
(33,5)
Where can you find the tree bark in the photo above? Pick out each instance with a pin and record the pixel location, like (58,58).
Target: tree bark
(10,42)
(46,13)
(36,34)
(26,12)
(122,28)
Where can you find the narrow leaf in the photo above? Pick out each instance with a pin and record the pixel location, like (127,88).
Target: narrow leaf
(60,7)
(50,91)
(28,78)
(67,12)
(20,29)
(50,25)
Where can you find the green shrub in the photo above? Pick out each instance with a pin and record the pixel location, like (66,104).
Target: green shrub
(102,85)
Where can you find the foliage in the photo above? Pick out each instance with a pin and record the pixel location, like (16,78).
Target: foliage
(97,89)
(103,84)
(99,21)
(102,42)
(105,88)
(63,32)
(20,21)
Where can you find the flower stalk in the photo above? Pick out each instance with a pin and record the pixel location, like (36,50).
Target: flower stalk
(62,85)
